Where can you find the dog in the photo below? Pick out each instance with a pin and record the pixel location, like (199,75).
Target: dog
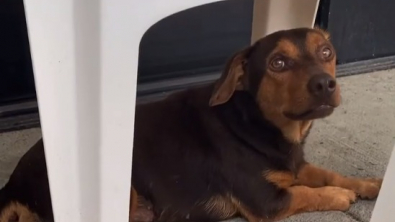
(235,147)
(227,149)
(26,196)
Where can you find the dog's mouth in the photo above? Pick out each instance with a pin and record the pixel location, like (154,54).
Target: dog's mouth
(315,113)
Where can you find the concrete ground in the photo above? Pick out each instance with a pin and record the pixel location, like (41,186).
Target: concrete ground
(356,140)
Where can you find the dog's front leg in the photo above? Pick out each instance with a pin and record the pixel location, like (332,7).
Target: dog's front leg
(313,176)
(305,199)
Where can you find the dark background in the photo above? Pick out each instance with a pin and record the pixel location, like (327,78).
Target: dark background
(199,40)
(16,74)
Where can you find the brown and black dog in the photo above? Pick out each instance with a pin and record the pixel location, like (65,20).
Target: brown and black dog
(26,196)
(233,148)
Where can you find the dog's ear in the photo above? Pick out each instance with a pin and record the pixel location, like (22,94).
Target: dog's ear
(231,78)
(323,32)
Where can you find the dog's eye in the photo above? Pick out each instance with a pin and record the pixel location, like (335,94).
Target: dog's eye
(278,64)
(326,52)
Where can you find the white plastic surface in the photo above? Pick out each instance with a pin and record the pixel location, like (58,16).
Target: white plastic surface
(274,15)
(384,210)
(85,56)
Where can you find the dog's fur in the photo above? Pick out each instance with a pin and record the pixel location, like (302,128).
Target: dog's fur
(26,196)
(236,147)
(233,148)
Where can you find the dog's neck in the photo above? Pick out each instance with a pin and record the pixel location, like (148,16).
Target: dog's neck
(245,107)
(294,131)
(297,131)
(243,118)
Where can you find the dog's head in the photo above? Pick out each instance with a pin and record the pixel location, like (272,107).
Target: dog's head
(291,75)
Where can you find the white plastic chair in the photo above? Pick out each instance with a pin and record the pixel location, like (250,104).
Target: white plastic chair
(384,209)
(85,57)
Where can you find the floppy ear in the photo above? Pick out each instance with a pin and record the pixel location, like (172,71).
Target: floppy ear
(230,79)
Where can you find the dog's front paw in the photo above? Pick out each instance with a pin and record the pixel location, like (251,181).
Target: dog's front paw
(337,198)
(368,188)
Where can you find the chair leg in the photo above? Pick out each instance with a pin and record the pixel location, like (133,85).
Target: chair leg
(85,57)
(385,207)
(85,66)
(273,15)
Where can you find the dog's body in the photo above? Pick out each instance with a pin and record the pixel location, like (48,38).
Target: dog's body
(233,148)
(193,161)
(26,196)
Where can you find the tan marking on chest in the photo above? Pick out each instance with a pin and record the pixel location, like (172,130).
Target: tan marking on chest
(295,131)
(221,207)
(18,212)
(282,179)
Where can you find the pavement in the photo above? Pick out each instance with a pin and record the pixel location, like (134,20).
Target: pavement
(356,140)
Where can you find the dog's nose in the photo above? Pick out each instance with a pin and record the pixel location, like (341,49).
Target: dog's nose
(322,85)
